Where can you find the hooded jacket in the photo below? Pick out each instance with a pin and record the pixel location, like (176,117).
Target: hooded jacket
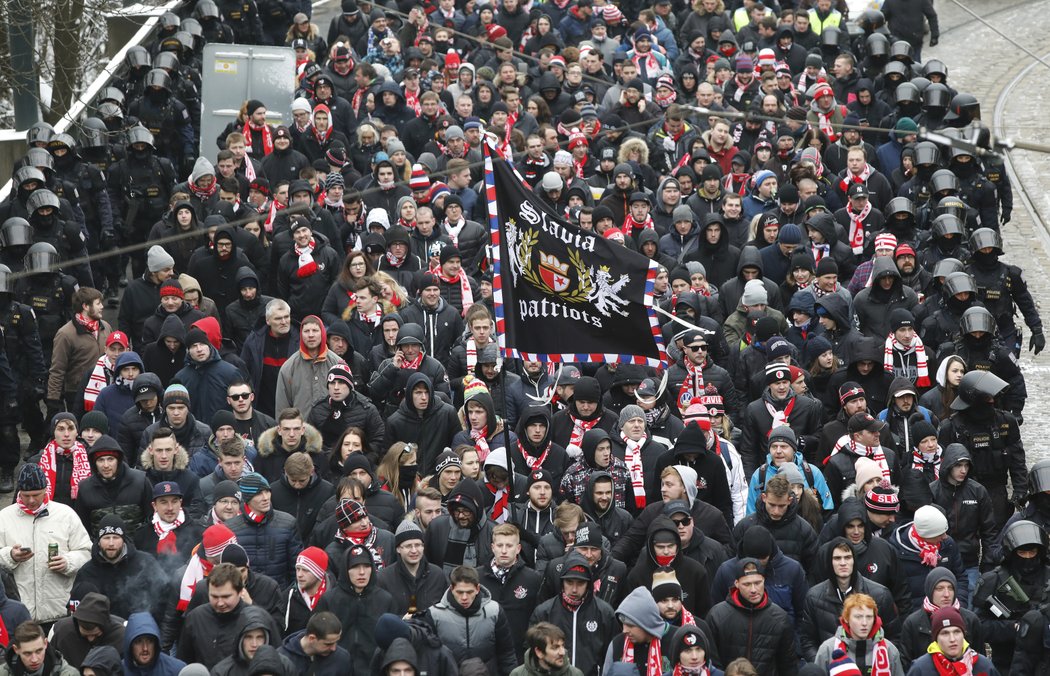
(714,486)
(143,625)
(971,518)
(639,609)
(915,571)
(915,632)
(874,305)
(118,397)
(238,664)
(480,631)
(844,337)
(614,521)
(408,423)
(104,660)
(243,317)
(218,276)
(158,359)
(336,664)
(696,587)
(588,629)
(207,381)
(574,482)
(66,636)
(304,379)
(719,259)
(793,534)
(729,292)
(130,582)
(186,313)
(555,459)
(823,605)
(447,545)
(358,612)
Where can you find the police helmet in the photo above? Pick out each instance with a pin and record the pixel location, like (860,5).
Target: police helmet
(41,258)
(169,21)
(109,109)
(877,46)
(935,67)
(947,266)
(959,282)
(41,199)
(193,27)
(7,285)
(951,205)
(963,109)
(138,58)
(62,141)
(947,224)
(112,94)
(205,9)
(900,209)
(921,84)
(986,237)
(898,70)
(93,133)
(977,319)
(40,158)
(167,61)
(16,231)
(1039,477)
(871,20)
(159,78)
(1025,534)
(936,96)
(40,132)
(28,173)
(906,92)
(944,180)
(976,386)
(902,51)
(139,134)
(185,40)
(830,38)
(926,153)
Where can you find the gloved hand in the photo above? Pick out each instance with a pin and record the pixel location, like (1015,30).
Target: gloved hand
(107,239)
(934,40)
(1038,342)
(54,407)
(1005,217)
(39,391)
(669,144)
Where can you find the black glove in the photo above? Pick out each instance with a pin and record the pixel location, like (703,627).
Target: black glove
(54,407)
(1038,342)
(107,239)
(1005,218)
(11,411)
(934,40)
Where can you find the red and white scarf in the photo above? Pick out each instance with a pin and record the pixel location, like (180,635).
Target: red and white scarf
(92,325)
(49,463)
(307,264)
(653,659)
(165,532)
(919,462)
(267,137)
(413,365)
(41,508)
(680,671)
(203,193)
(921,365)
(579,428)
(308,563)
(873,452)
(851,178)
(271,214)
(373,318)
(947,667)
(412,101)
(633,459)
(472,355)
(533,462)
(465,294)
(880,658)
(856,227)
(631,227)
(394,260)
(253,516)
(249,169)
(692,386)
(96,381)
(929,552)
(824,122)
(780,418)
(930,609)
(646,63)
(481,442)
(500,502)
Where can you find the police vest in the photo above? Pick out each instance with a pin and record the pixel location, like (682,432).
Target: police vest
(818,26)
(989,448)
(741,18)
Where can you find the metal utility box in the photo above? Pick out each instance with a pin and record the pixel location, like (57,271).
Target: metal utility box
(233,74)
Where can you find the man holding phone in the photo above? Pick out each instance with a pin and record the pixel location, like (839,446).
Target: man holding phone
(27,528)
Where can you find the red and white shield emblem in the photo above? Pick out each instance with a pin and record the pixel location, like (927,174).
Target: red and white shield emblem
(554,273)
(520,592)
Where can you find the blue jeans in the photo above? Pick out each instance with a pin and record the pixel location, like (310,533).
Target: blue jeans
(973,576)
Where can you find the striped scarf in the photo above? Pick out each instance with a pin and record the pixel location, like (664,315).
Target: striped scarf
(916,347)
(98,379)
(874,452)
(49,464)
(633,460)
(653,658)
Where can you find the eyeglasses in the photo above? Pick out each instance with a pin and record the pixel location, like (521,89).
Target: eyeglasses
(239,397)
(358,264)
(684,521)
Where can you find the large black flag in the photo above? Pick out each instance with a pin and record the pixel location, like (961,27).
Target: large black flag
(562,293)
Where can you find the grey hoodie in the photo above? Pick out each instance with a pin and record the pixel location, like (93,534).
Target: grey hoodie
(641,610)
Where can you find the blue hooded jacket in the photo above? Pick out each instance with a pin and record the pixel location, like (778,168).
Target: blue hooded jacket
(143,624)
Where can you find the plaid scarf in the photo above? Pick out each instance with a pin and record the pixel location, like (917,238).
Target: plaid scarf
(49,463)
(653,658)
(921,365)
(633,460)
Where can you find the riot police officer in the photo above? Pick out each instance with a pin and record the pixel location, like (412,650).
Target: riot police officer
(959,294)
(48,292)
(21,338)
(91,186)
(65,237)
(184,86)
(242,16)
(167,119)
(133,84)
(1011,600)
(995,172)
(214,30)
(96,147)
(947,240)
(1001,287)
(67,193)
(927,161)
(16,236)
(139,188)
(982,351)
(993,438)
(976,190)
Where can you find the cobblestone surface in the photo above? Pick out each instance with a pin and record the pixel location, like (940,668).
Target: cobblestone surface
(985,64)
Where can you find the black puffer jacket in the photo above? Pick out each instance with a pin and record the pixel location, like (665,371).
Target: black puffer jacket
(823,607)
(971,519)
(306,294)
(131,583)
(915,632)
(358,612)
(272,544)
(432,429)
(332,418)
(874,305)
(696,586)
(517,594)
(762,633)
(302,503)
(793,534)
(129,494)
(427,587)
(556,460)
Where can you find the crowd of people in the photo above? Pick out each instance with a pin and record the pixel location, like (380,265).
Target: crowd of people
(300,450)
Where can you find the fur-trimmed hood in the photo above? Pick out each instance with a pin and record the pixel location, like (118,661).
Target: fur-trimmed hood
(268,441)
(181,461)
